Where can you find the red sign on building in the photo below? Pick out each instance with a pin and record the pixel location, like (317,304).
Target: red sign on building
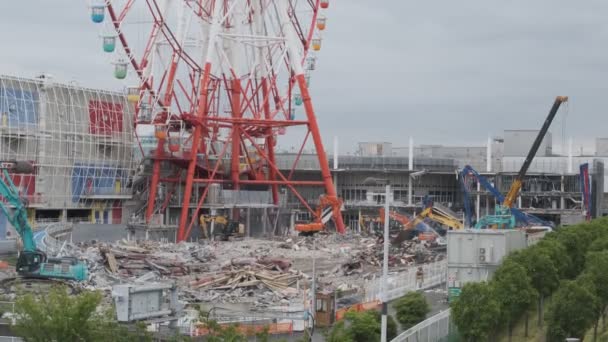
(105,118)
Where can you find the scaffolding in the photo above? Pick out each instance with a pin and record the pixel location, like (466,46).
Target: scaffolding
(80,141)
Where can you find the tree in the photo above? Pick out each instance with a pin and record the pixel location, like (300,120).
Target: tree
(600,244)
(571,312)
(596,269)
(58,316)
(557,253)
(476,311)
(339,333)
(411,309)
(543,275)
(361,327)
(514,292)
(576,241)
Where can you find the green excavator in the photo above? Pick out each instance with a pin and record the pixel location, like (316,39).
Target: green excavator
(32,263)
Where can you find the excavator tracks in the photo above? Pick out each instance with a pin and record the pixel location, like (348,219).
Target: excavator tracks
(34,285)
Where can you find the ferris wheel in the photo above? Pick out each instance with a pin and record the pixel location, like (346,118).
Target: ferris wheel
(220,81)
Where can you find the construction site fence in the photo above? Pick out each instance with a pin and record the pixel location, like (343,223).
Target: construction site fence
(251,329)
(433,274)
(10,339)
(437,328)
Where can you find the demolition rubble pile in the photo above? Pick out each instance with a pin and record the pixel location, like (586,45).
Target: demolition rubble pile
(260,272)
(195,268)
(359,259)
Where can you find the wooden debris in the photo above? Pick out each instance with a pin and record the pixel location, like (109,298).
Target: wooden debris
(112,262)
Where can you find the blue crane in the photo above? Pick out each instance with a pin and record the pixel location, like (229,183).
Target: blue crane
(32,262)
(519,216)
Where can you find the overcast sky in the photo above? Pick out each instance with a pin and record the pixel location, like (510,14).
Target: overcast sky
(446,72)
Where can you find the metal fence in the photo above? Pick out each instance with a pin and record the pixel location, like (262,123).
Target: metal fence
(433,274)
(435,329)
(10,339)
(54,240)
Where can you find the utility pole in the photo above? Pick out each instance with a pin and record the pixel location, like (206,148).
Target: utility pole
(385,263)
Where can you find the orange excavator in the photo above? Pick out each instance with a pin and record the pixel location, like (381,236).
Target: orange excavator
(329,207)
(393,215)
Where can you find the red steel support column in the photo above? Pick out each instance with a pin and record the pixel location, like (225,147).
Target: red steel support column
(235,158)
(198,131)
(316,137)
(236,136)
(160,147)
(270,142)
(154,180)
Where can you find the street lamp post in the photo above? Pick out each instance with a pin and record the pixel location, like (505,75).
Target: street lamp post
(387,191)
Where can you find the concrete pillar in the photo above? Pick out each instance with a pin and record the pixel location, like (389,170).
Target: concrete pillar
(336,164)
(64,215)
(487,205)
(248,223)
(570,168)
(409,191)
(411,155)
(265,222)
(336,183)
(489,155)
(292,221)
(562,200)
(478,202)
(359,228)
(519,202)
(212,226)
(335,153)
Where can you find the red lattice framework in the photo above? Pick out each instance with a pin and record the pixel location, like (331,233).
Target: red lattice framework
(220,81)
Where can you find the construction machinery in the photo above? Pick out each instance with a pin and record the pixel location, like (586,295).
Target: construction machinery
(222,227)
(329,207)
(500,220)
(520,217)
(432,214)
(32,263)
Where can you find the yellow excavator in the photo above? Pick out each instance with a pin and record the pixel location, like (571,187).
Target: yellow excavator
(432,214)
(222,227)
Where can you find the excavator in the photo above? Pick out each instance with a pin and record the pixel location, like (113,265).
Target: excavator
(395,216)
(329,207)
(226,229)
(503,217)
(432,214)
(32,263)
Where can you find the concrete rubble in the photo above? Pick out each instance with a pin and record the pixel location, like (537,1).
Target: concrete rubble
(254,271)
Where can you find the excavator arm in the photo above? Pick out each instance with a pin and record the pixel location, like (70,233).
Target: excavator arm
(402,219)
(445,220)
(10,194)
(329,207)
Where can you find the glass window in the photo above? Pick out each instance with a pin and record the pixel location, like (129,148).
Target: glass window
(321,305)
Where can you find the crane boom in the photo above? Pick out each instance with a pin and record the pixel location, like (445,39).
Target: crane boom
(517,183)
